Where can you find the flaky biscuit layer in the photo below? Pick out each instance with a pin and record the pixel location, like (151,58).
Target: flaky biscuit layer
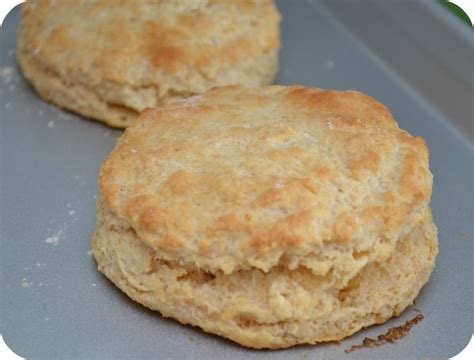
(277,309)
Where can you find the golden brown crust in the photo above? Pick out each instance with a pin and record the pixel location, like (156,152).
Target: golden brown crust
(133,54)
(275,176)
(272,216)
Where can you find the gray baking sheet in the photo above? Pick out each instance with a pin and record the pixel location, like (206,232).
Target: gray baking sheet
(56,305)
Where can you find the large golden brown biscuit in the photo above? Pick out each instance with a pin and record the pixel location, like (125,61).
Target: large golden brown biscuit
(273,216)
(110,59)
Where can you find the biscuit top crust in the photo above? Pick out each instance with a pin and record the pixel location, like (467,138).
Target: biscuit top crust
(274,176)
(173,45)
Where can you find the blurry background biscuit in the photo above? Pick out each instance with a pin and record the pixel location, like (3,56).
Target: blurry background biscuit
(109,59)
(272,216)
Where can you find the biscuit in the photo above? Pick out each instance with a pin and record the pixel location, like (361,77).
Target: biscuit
(109,60)
(272,216)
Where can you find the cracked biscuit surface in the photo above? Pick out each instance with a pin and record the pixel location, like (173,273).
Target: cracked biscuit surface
(108,59)
(272,216)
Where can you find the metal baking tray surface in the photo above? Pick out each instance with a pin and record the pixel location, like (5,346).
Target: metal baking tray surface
(56,305)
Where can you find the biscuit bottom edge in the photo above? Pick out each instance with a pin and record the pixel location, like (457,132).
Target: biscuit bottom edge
(273,310)
(74,96)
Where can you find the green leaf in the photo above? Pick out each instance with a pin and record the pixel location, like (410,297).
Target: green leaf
(456,10)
